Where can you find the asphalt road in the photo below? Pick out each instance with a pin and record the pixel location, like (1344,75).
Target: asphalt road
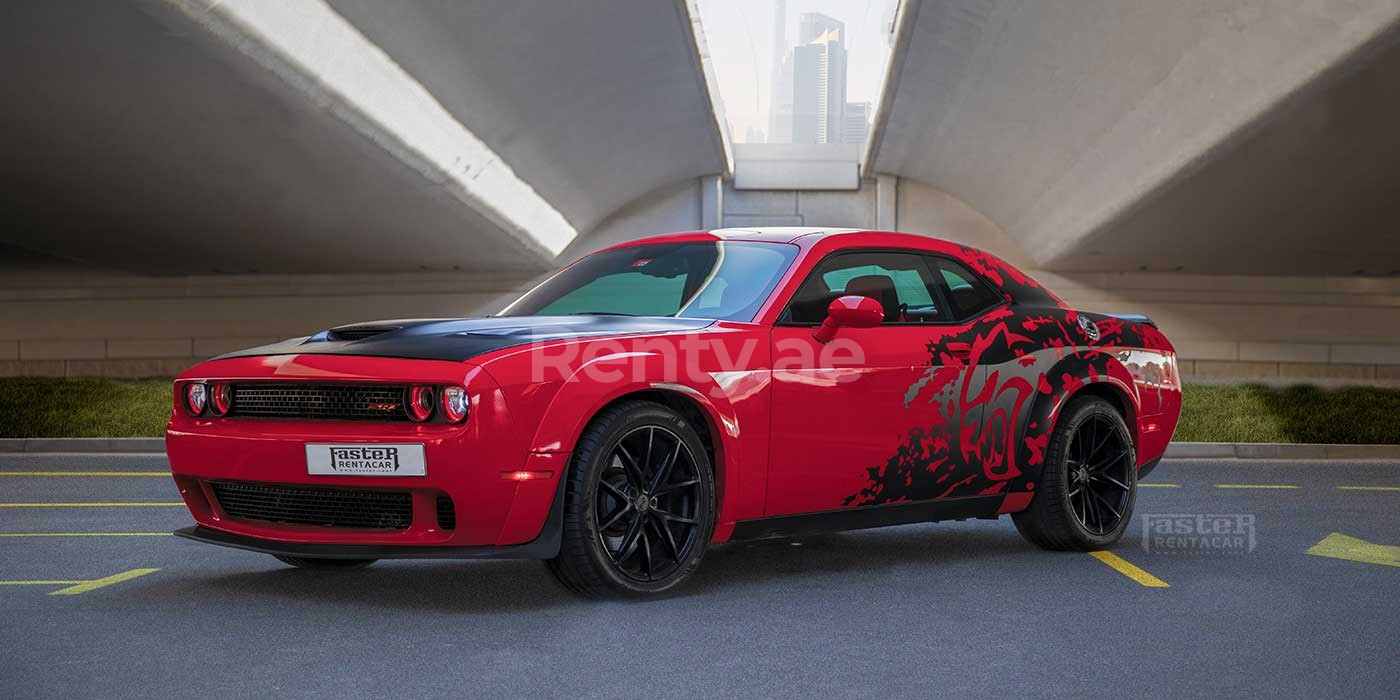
(952,609)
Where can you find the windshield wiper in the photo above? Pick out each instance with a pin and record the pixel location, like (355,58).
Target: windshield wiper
(598,313)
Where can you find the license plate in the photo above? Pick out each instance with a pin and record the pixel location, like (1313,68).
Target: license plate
(366,459)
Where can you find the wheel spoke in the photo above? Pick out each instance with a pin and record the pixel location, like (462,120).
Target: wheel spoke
(672,517)
(617,492)
(671,488)
(668,539)
(1105,464)
(629,541)
(611,519)
(646,461)
(646,551)
(630,467)
(1116,515)
(1091,511)
(664,471)
(1109,479)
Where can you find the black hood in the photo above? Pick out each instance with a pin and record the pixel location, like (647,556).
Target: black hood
(457,340)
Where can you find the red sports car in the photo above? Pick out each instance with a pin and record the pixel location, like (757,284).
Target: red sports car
(671,392)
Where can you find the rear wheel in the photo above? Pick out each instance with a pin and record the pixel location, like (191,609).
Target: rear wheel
(323,564)
(1086,493)
(639,506)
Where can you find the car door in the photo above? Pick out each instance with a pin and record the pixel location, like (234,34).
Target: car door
(874,406)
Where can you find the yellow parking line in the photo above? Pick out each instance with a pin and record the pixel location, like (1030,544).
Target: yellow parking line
(1127,569)
(61,473)
(82,586)
(86,534)
(120,504)
(1157,485)
(1257,486)
(1368,488)
(93,585)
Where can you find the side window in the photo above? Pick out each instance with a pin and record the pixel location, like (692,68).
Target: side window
(968,294)
(901,282)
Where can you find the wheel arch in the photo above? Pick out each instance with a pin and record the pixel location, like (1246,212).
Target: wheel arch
(1098,374)
(714,420)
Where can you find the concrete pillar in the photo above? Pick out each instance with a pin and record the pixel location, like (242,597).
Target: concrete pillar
(886,202)
(711,202)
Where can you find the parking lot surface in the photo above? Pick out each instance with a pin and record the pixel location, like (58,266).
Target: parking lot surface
(1213,592)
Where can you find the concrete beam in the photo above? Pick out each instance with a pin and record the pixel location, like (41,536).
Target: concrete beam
(1067,122)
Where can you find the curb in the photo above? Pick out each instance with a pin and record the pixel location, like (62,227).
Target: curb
(1278,450)
(80,445)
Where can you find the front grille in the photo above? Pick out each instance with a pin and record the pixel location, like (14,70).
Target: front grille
(446,514)
(379,402)
(326,507)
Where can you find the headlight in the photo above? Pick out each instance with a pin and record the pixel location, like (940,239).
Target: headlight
(196,396)
(454,404)
(220,398)
(420,403)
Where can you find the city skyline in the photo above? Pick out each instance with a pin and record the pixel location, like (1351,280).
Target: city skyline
(749,47)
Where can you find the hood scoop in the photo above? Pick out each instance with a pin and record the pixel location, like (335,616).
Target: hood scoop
(349,333)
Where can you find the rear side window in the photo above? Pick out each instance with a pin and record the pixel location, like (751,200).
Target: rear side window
(968,294)
(901,282)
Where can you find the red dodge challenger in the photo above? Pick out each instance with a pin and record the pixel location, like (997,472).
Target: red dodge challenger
(671,392)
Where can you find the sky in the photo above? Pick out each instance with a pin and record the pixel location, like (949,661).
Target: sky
(740,38)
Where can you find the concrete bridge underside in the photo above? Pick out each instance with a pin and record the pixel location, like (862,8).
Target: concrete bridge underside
(184,177)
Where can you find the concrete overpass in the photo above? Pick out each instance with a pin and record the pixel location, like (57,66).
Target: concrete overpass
(189,176)
(195,137)
(1217,137)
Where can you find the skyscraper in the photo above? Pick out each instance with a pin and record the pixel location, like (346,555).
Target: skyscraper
(857,126)
(780,104)
(819,80)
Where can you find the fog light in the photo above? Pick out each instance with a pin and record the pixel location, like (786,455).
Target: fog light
(454,404)
(195,397)
(420,403)
(220,398)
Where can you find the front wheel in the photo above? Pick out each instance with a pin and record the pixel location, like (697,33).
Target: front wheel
(639,506)
(1087,489)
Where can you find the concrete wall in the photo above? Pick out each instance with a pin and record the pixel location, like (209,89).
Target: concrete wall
(57,319)
(66,321)
(1225,326)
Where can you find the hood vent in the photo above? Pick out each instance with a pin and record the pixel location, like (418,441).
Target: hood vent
(358,332)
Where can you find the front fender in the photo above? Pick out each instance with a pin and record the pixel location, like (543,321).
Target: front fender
(719,396)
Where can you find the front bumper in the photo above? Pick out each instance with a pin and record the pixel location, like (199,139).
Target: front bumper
(467,463)
(545,546)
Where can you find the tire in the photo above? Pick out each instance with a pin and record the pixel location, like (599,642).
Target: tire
(634,527)
(1085,497)
(322,564)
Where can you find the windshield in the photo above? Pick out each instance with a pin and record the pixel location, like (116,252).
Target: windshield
(726,280)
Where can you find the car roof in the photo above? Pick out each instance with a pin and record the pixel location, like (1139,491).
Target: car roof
(806,237)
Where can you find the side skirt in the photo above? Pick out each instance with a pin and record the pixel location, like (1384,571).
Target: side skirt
(867,517)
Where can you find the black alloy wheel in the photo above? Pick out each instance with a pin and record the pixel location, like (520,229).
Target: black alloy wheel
(1100,474)
(639,504)
(1088,485)
(648,502)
